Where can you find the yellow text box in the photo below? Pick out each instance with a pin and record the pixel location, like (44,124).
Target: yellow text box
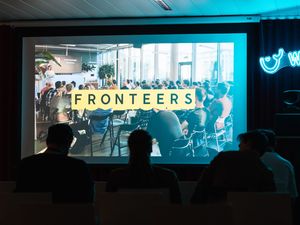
(133,99)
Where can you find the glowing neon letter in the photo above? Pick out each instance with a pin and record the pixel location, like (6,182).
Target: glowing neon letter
(276,66)
(294,58)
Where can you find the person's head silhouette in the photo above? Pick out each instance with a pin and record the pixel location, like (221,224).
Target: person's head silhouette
(59,139)
(140,147)
(253,140)
(271,135)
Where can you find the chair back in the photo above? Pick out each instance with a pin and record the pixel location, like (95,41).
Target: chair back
(251,208)
(208,214)
(127,208)
(163,194)
(7,186)
(187,188)
(49,214)
(24,198)
(100,187)
(182,147)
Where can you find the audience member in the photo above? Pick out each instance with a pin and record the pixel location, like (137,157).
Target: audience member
(283,170)
(235,171)
(137,85)
(220,108)
(253,141)
(114,85)
(125,85)
(195,85)
(140,173)
(49,97)
(172,85)
(69,88)
(164,126)
(209,92)
(46,88)
(157,82)
(43,100)
(63,86)
(186,84)
(60,107)
(206,85)
(178,83)
(197,118)
(67,178)
(74,84)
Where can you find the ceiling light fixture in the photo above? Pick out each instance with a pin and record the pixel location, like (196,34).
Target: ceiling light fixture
(163,5)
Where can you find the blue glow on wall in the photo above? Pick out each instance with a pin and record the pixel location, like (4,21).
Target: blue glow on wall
(294,58)
(278,61)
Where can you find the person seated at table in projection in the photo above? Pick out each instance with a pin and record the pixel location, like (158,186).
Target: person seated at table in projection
(67,178)
(186,84)
(165,127)
(196,119)
(172,85)
(113,85)
(140,173)
(220,108)
(178,84)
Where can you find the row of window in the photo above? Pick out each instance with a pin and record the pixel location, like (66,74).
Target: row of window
(192,61)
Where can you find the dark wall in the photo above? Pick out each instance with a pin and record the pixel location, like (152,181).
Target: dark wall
(10,102)
(274,113)
(260,105)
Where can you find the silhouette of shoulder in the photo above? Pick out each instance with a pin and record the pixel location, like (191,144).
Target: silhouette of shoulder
(233,171)
(67,178)
(236,163)
(151,177)
(283,171)
(51,157)
(160,176)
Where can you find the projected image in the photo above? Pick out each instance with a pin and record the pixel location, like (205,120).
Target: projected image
(198,133)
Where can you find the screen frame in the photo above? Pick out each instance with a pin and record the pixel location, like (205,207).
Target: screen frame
(27,115)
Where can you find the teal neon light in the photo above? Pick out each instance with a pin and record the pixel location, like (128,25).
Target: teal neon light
(278,61)
(265,62)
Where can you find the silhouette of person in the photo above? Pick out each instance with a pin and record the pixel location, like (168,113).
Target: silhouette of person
(140,173)
(165,127)
(220,107)
(197,119)
(67,178)
(235,171)
(283,170)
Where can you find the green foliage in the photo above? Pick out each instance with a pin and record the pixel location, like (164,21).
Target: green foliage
(87,67)
(106,71)
(42,59)
(45,57)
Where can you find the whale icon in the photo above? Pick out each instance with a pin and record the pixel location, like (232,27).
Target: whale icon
(272,66)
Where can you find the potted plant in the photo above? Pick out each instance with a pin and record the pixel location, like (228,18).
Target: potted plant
(87,67)
(106,71)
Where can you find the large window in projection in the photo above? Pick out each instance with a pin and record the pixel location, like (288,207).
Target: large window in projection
(212,65)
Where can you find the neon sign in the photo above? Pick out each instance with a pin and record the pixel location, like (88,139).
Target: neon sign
(278,61)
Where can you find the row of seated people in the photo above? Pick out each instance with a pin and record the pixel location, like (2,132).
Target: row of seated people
(177,124)
(47,105)
(210,112)
(57,109)
(256,167)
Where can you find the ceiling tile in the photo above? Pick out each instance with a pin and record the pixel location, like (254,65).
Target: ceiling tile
(81,9)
